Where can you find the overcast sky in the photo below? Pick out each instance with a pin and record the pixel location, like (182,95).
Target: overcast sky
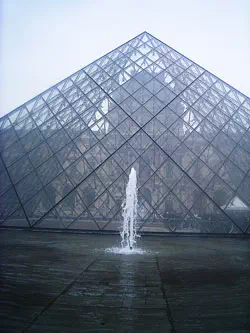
(44,41)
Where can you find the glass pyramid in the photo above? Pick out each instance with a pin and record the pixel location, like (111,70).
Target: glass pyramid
(67,153)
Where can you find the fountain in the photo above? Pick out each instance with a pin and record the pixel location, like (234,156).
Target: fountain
(129,213)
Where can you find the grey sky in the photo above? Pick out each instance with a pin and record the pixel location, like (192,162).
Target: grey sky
(43,41)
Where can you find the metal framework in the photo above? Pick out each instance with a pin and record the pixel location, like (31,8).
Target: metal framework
(67,153)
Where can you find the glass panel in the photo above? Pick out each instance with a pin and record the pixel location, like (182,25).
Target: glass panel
(116,116)
(200,173)
(218,118)
(130,105)
(109,86)
(28,186)
(8,203)
(241,158)
(242,118)
(40,154)
(19,169)
(8,138)
(186,78)
(244,189)
(70,208)
(133,69)
(132,85)
(18,115)
(181,129)
(192,117)
(178,106)
(121,77)
(113,141)
(140,142)
(50,127)
(144,77)
(168,142)
(4,124)
(118,189)
(154,69)
(96,155)
(165,95)
(196,143)
(154,128)
(41,115)
(154,86)
(142,95)
(32,139)
(125,156)
(212,96)
(66,115)
(176,86)
(239,212)
(108,172)
(207,130)
(68,154)
(153,190)
(81,105)
(187,192)
(236,97)
(189,96)
(154,105)
(202,106)
(199,87)
(119,95)
(17,219)
(195,70)
(183,157)
(78,171)
(90,189)
(75,127)
(142,116)
(58,188)
(245,141)
(172,213)
(164,62)
(49,170)
(37,206)
(227,107)
(58,104)
(127,128)
(4,181)
(101,128)
(13,153)
(167,117)
(213,158)
(220,192)
(85,141)
(175,70)
(58,140)
(210,218)
(154,156)
(231,174)
(165,78)
(224,143)
(207,78)
(233,130)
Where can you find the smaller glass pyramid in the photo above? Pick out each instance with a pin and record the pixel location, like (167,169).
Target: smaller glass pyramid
(67,153)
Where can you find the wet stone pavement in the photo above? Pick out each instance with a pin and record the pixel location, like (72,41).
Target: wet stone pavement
(53,282)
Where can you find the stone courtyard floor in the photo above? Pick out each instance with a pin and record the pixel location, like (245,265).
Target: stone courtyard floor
(51,282)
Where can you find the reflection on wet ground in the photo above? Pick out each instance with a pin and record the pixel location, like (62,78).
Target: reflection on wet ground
(53,282)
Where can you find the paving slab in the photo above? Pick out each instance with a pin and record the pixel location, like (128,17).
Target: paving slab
(65,282)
